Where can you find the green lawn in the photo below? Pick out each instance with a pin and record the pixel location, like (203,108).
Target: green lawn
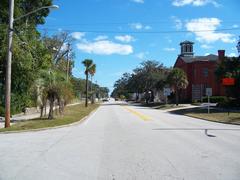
(215,115)
(71,114)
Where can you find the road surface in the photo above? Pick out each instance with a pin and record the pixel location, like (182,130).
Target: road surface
(120,142)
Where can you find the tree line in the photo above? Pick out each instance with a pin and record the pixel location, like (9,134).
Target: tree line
(42,64)
(152,76)
(149,77)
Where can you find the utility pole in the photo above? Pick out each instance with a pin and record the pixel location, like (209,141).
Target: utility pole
(9,66)
(68,63)
(92,101)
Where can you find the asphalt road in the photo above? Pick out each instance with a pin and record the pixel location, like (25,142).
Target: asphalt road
(121,142)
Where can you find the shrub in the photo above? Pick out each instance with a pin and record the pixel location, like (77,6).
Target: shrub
(229,103)
(216,99)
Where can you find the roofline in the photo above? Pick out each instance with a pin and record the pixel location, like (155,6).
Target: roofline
(189,42)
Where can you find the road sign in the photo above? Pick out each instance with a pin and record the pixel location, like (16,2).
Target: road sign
(166,91)
(209,91)
(228,81)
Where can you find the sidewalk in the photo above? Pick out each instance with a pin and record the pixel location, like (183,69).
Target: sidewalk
(182,106)
(25,117)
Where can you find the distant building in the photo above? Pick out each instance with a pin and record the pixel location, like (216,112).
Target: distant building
(200,72)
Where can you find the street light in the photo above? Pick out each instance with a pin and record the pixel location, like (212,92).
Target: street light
(9,57)
(44,7)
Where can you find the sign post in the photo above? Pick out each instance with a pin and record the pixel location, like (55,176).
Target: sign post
(209,93)
(166,93)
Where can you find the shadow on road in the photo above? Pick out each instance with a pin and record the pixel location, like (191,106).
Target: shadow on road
(206,130)
(114,104)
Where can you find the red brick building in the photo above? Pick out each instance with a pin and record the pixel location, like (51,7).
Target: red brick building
(200,72)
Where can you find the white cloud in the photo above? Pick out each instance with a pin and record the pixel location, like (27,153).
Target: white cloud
(105,47)
(125,38)
(138,1)
(205,46)
(142,55)
(180,3)
(78,35)
(235,26)
(205,30)
(178,22)
(232,54)
(147,27)
(100,38)
(139,26)
(169,49)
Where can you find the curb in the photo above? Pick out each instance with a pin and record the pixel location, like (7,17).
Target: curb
(55,127)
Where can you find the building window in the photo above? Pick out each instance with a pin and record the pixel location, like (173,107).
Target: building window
(205,72)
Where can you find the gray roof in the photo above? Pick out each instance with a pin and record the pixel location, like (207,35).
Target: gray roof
(189,59)
(186,42)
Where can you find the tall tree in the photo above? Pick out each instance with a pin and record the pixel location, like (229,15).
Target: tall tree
(92,72)
(177,78)
(149,77)
(29,53)
(88,63)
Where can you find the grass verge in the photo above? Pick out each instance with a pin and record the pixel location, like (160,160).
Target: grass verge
(215,115)
(71,114)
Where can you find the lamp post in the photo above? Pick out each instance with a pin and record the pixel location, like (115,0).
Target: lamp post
(9,57)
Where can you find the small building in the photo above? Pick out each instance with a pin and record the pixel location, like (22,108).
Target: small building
(200,72)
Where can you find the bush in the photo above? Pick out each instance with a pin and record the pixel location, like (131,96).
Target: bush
(229,103)
(216,99)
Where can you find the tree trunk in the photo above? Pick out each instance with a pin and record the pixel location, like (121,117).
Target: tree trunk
(177,97)
(45,108)
(61,106)
(51,104)
(41,111)
(86,100)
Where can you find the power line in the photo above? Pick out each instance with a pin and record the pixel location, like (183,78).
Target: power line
(172,21)
(138,32)
(133,22)
(132,32)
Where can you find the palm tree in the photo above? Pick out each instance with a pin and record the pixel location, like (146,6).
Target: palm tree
(177,78)
(53,86)
(92,71)
(88,63)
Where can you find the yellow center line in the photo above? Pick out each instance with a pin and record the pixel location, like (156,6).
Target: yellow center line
(138,114)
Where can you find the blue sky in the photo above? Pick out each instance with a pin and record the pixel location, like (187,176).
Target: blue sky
(119,34)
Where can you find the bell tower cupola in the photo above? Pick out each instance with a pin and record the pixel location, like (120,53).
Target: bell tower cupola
(186,48)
